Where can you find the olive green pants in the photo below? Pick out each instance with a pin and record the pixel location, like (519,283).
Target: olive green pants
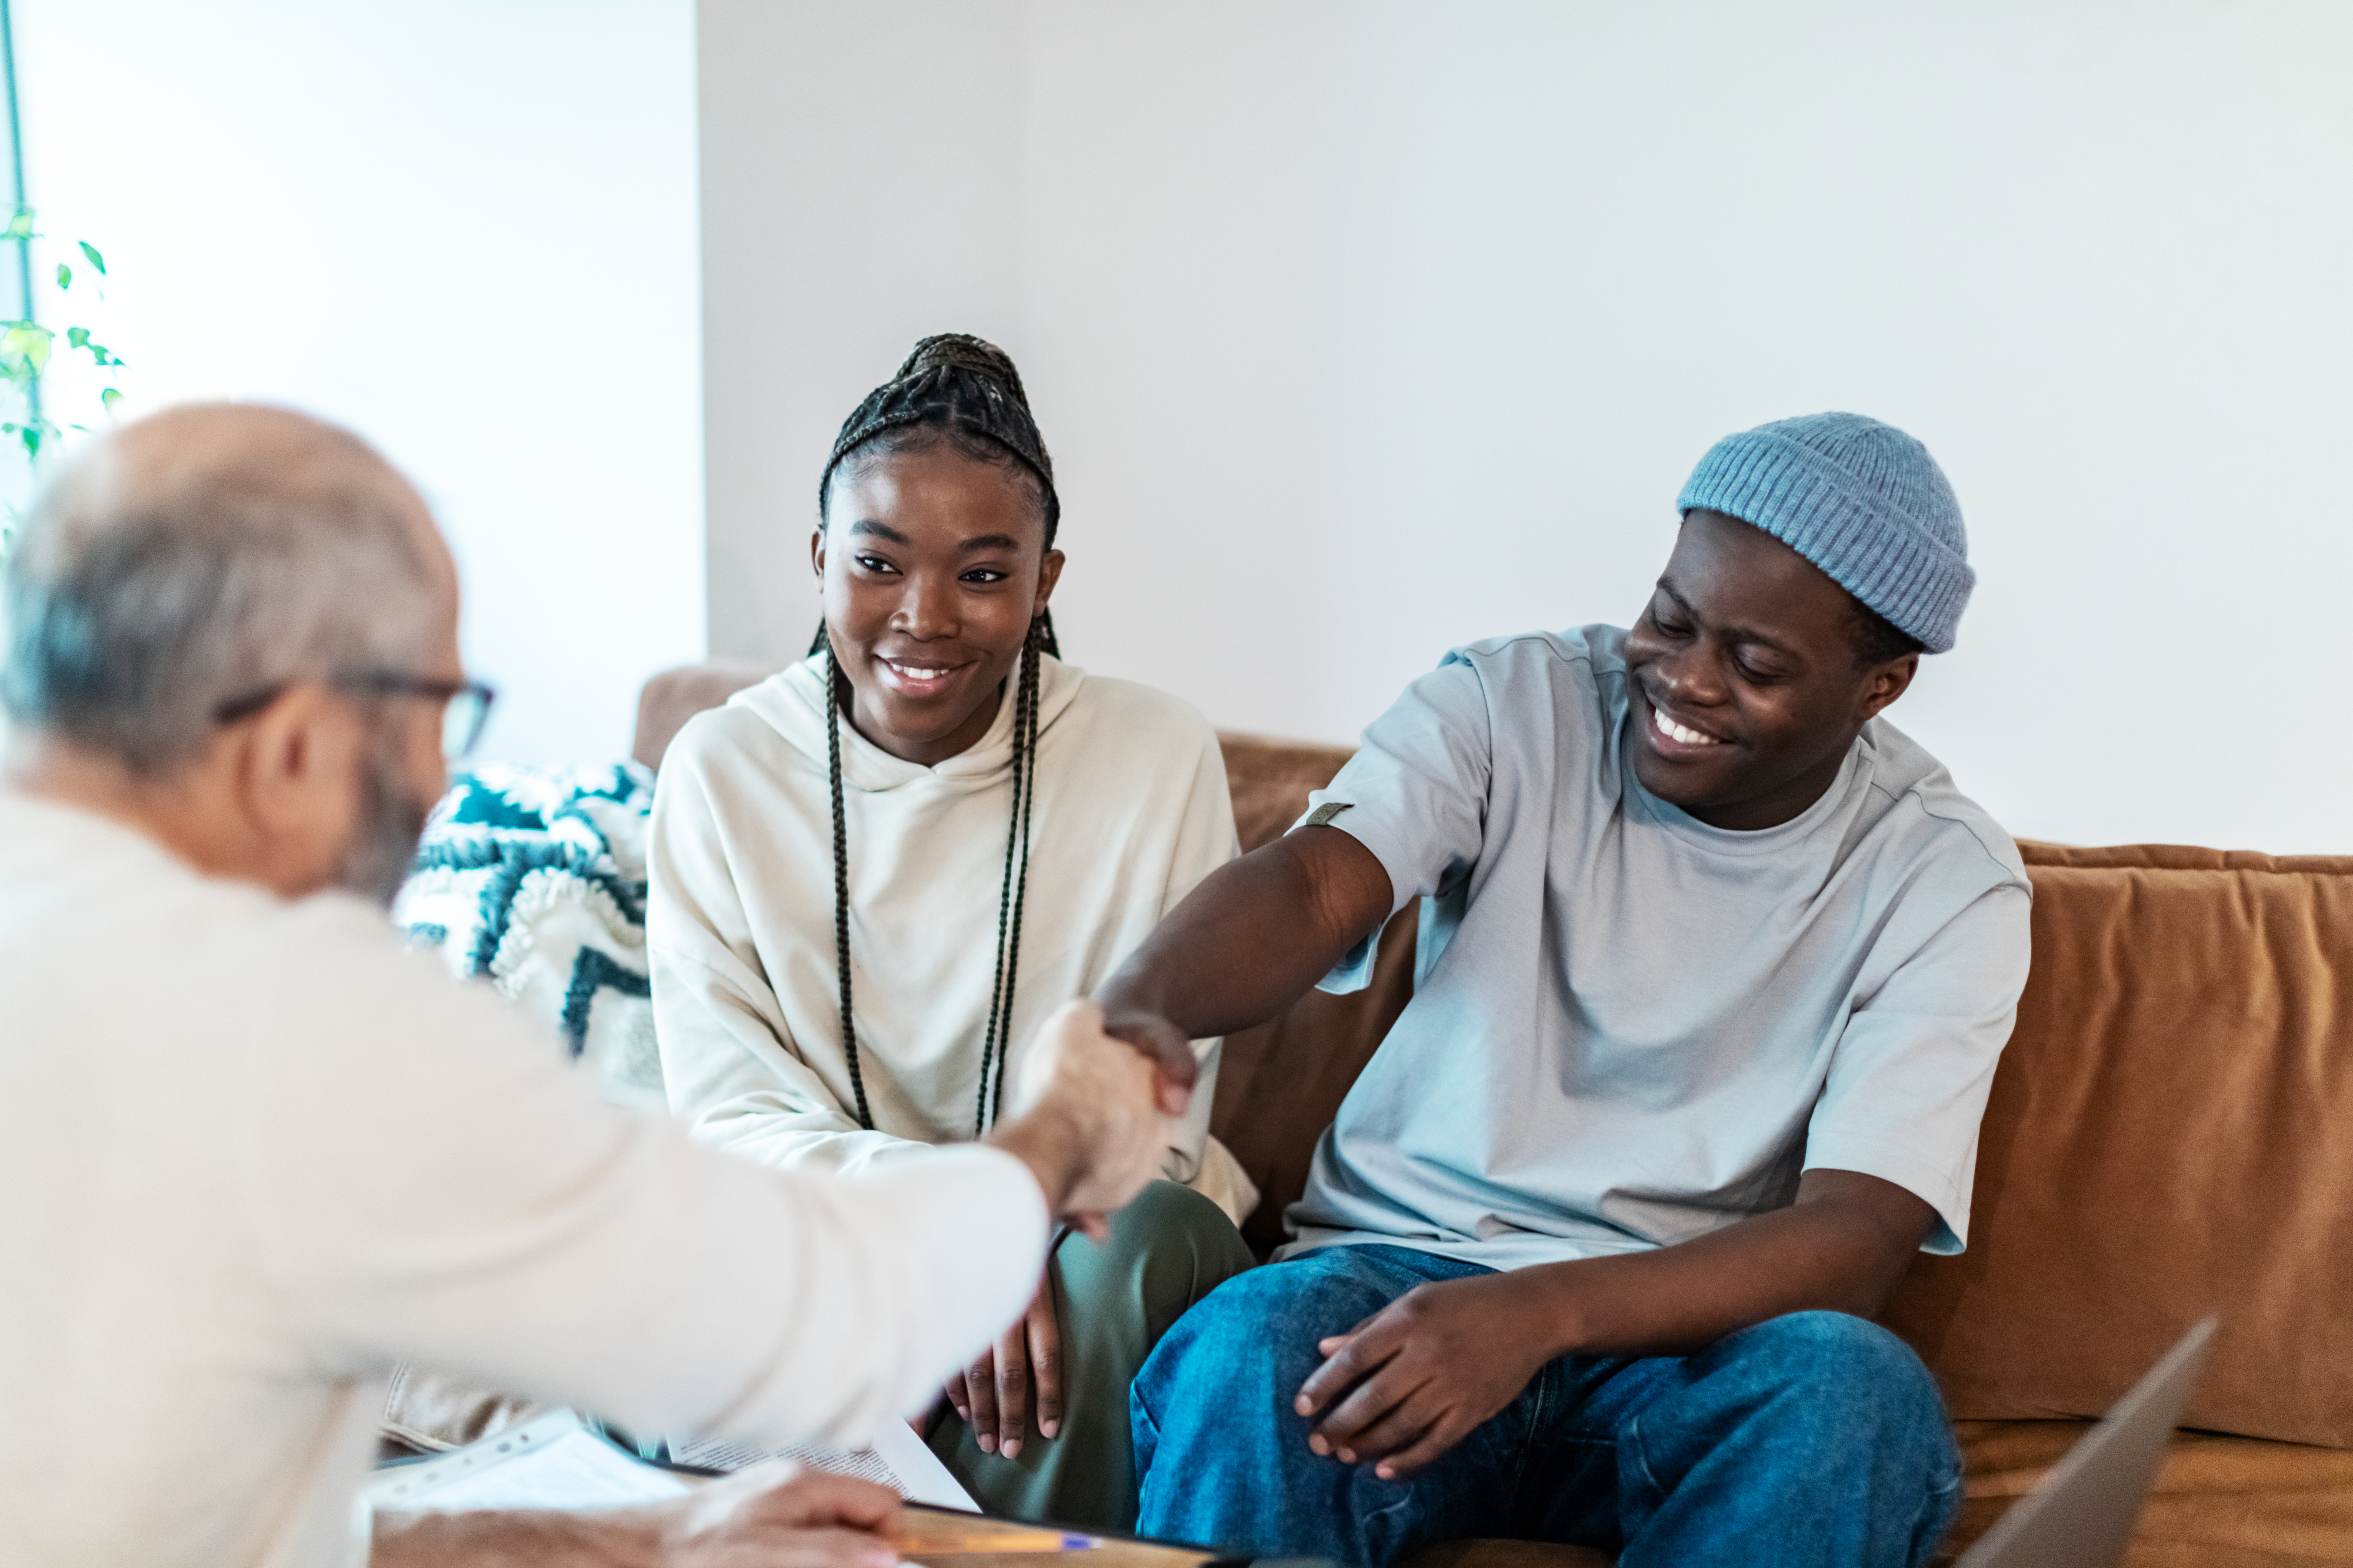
(1167,1249)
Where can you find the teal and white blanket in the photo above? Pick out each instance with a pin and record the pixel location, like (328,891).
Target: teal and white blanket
(534,879)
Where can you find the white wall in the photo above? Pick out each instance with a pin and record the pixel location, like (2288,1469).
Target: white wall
(465,229)
(1361,329)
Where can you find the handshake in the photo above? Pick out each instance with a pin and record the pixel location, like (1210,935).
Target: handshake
(1090,1112)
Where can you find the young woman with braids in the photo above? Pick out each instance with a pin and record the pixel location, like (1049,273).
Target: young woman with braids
(875,872)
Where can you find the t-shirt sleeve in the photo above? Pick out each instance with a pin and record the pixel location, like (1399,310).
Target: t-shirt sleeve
(1908,1081)
(429,1181)
(1415,795)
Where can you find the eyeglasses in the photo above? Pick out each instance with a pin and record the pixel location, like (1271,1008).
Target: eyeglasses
(465,704)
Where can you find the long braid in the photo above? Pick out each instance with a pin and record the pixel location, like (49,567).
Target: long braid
(1024,800)
(996,1042)
(842,875)
(997,1038)
(996,997)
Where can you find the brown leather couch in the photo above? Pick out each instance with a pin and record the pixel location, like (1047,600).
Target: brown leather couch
(2170,1134)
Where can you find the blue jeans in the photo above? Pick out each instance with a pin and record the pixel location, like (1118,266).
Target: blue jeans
(1814,1439)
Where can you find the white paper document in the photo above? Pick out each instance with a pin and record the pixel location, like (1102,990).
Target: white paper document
(555,1461)
(552,1461)
(898,1459)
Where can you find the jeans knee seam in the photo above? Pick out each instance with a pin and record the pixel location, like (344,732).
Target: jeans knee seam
(1536,1424)
(1632,1440)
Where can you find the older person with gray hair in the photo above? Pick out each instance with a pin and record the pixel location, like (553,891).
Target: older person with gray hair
(257,1154)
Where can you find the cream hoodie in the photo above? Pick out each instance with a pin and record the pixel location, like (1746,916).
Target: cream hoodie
(1131,812)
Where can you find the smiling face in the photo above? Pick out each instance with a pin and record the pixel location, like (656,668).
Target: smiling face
(931,566)
(1744,684)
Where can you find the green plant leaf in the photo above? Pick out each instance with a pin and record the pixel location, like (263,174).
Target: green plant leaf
(109,398)
(65,276)
(20,227)
(97,261)
(31,438)
(100,354)
(24,348)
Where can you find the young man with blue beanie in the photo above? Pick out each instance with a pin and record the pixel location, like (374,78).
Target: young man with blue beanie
(1715,967)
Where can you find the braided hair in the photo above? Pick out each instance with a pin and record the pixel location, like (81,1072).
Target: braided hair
(961,392)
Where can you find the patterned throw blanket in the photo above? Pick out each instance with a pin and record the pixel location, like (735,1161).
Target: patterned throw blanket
(534,877)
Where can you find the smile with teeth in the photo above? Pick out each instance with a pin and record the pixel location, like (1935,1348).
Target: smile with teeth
(920,677)
(1674,731)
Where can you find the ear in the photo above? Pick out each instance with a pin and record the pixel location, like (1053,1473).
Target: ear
(1050,572)
(1887,683)
(295,777)
(816,555)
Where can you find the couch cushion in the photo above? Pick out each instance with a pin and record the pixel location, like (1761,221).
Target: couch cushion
(2170,1134)
(2219,1502)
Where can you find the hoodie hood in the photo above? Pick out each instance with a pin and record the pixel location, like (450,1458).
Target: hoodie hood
(792,703)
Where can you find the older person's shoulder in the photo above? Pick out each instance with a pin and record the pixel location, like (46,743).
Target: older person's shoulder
(338,977)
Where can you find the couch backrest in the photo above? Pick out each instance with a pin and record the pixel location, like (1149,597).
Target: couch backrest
(2170,1131)
(668,699)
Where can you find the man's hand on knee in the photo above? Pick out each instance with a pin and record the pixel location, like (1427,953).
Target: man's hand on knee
(1411,1381)
(771,1515)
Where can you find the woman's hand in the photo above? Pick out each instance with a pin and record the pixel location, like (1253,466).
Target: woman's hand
(995,1393)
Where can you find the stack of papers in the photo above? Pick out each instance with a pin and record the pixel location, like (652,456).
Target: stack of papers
(555,1461)
(899,1459)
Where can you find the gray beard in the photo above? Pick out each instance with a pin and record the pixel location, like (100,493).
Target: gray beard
(384,844)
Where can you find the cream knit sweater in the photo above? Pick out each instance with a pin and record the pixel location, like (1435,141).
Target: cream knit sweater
(257,1155)
(1131,812)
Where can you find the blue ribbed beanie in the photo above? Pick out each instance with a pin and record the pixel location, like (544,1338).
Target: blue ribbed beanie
(1860,499)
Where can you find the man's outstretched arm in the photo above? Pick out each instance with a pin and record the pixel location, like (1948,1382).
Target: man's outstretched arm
(1245,944)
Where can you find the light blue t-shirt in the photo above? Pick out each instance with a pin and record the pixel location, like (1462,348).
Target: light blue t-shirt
(1630,1028)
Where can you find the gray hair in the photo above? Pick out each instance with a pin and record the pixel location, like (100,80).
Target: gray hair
(203,555)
